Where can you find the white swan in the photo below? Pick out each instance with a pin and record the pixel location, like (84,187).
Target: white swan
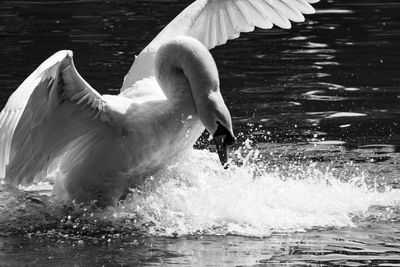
(100,145)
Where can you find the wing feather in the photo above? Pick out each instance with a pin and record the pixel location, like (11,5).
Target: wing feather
(223,25)
(232,32)
(219,30)
(213,25)
(213,22)
(276,17)
(259,18)
(53,107)
(301,5)
(206,33)
(290,12)
(248,13)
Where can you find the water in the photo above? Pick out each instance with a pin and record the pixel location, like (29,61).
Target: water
(316,111)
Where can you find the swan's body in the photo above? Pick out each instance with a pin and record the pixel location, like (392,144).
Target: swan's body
(96,146)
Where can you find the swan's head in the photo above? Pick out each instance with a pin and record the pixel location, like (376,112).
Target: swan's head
(224,139)
(216,118)
(188,76)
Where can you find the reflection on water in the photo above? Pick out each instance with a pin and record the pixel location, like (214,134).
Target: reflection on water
(345,247)
(317,114)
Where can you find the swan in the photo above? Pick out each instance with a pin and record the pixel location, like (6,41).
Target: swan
(55,126)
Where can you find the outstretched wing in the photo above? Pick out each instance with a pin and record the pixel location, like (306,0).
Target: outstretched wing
(213,22)
(53,109)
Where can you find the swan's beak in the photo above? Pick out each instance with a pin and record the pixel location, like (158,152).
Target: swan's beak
(223,140)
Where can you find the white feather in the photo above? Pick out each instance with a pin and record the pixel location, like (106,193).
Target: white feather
(30,134)
(213,22)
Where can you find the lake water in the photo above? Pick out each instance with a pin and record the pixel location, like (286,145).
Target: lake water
(317,113)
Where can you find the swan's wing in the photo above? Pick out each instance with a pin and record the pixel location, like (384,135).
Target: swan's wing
(53,109)
(213,22)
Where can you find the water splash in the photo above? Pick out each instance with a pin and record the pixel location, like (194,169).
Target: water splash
(197,196)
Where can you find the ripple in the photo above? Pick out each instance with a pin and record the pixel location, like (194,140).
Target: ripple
(334,11)
(346,114)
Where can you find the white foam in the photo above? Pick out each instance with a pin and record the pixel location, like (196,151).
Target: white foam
(198,196)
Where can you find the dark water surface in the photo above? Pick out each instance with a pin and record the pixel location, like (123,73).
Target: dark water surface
(317,113)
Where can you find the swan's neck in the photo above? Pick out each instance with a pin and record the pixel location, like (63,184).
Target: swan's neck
(187,74)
